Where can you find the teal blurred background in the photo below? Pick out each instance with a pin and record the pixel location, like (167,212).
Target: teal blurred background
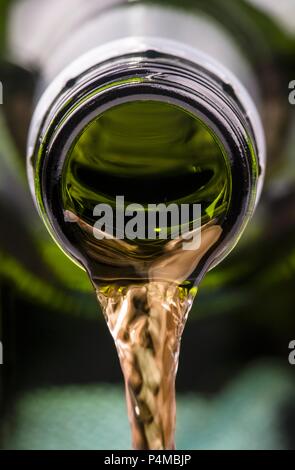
(61,385)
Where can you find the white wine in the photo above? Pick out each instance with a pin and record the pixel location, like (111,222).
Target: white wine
(171,158)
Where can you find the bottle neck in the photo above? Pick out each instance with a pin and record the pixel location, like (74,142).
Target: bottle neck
(147,69)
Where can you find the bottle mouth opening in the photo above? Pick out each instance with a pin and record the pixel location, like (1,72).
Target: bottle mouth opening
(183,90)
(149,152)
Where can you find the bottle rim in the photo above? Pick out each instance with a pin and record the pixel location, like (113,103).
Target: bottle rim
(147,70)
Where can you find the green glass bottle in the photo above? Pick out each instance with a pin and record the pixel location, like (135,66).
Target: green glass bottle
(223,30)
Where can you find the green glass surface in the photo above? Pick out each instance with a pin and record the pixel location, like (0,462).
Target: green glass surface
(151,153)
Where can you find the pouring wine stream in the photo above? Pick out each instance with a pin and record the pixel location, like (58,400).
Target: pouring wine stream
(146,321)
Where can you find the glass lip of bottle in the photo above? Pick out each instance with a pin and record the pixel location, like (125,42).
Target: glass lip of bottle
(150,69)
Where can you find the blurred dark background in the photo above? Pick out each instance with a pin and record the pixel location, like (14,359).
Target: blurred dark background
(61,385)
